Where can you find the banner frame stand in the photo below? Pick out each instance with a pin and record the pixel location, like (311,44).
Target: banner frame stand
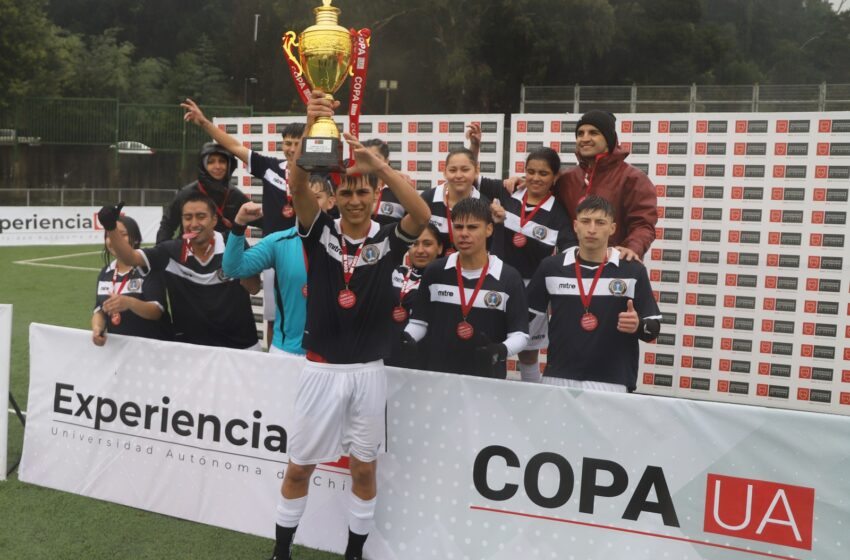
(5,369)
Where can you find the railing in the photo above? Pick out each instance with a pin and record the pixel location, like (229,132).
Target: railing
(685,99)
(85,197)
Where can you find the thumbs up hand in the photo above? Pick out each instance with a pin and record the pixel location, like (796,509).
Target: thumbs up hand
(628,321)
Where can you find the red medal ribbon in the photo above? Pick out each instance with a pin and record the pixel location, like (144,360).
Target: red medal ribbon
(295,68)
(588,180)
(187,249)
(115,318)
(523,219)
(218,209)
(585,299)
(359,65)
(348,269)
(465,307)
(404,286)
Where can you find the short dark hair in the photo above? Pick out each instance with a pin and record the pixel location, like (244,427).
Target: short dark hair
(293,130)
(349,180)
(199,197)
(324,182)
(593,203)
(547,155)
(462,151)
(435,232)
(382,146)
(474,208)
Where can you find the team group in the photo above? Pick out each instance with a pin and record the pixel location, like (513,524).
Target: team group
(365,271)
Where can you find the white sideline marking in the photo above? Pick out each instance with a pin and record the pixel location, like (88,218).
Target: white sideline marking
(37,261)
(12,411)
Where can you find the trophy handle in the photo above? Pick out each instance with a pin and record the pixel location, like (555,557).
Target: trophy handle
(289,42)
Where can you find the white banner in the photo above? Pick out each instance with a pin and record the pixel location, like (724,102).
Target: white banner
(67,225)
(5,357)
(475,468)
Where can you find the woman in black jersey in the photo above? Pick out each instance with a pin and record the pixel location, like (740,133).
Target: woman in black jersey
(128,303)
(535,227)
(406,279)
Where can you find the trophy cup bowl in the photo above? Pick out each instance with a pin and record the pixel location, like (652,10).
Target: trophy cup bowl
(324,60)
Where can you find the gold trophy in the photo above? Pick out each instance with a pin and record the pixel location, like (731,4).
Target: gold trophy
(325,51)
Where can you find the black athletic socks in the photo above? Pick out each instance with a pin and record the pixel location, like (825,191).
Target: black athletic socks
(354,550)
(283,542)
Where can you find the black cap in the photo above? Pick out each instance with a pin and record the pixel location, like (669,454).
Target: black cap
(605,122)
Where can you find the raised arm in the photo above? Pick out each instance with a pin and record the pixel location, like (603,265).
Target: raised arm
(228,142)
(303,199)
(417,209)
(108,217)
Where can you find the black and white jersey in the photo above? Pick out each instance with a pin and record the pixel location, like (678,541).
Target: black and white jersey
(604,354)
(138,286)
(549,231)
(276,194)
(362,333)
(388,210)
(208,307)
(435,198)
(405,278)
(499,310)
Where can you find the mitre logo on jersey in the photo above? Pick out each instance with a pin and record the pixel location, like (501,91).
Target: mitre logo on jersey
(759,510)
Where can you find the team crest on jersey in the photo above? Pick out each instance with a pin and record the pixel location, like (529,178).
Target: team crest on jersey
(617,287)
(134,285)
(539,232)
(370,254)
(386,208)
(493,299)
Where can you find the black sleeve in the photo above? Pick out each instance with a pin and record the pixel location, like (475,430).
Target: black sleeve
(492,188)
(517,308)
(98,297)
(157,256)
(646,307)
(538,295)
(423,295)
(310,236)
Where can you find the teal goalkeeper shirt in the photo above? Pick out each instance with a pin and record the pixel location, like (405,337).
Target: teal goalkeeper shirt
(282,251)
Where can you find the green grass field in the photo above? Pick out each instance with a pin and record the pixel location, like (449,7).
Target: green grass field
(38,523)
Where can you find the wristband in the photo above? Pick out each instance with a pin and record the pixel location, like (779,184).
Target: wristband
(238,229)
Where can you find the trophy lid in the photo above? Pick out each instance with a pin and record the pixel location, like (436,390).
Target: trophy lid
(326,14)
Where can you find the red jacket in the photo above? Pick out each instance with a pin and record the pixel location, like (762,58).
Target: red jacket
(627,188)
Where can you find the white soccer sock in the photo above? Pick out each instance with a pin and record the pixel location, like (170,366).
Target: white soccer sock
(289,512)
(361,514)
(529,372)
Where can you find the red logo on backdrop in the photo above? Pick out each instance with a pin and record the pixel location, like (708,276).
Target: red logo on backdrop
(626,146)
(731,257)
(685,382)
(655,275)
(659,233)
(805,372)
(776,216)
(662,147)
(626,126)
(777,193)
(661,169)
(699,170)
(411,127)
(807,350)
(740,126)
(728,301)
(663,126)
(844,398)
(272,128)
(687,361)
(735,214)
(773,259)
(759,510)
(761,390)
(556,146)
(823,149)
(825,125)
(817,217)
(555,126)
(722,386)
(845,376)
(660,211)
(725,343)
(246,181)
(690,299)
(811,284)
(809,329)
(740,149)
(656,254)
(696,235)
(444,126)
(522,126)
(688,340)
(781,126)
(441,168)
(692,277)
(814,262)
(702,126)
(649,358)
(382,127)
(773,238)
(779,171)
(765,347)
(520,167)
(411,146)
(764,368)
(767,325)
(520,146)
(731,279)
(693,256)
(648,378)
(780,149)
(737,170)
(819,195)
(701,148)
(816,239)
(810,306)
(820,172)
(698,191)
(737,193)
(734,236)
(444,146)
(246,129)
(802,394)
(725,365)
(660,190)
(769,304)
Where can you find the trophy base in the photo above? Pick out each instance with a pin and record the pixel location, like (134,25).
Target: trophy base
(321,155)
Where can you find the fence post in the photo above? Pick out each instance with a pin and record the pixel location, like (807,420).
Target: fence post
(28,197)
(822,97)
(142,197)
(61,196)
(576,98)
(92,197)
(693,98)
(633,104)
(755,103)
(522,98)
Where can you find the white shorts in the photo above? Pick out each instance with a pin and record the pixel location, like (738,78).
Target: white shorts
(339,409)
(257,347)
(587,385)
(538,331)
(269,307)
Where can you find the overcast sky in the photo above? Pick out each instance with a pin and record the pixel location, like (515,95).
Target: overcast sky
(837,3)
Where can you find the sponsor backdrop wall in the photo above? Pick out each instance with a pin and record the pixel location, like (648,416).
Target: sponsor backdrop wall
(748,265)
(67,225)
(475,468)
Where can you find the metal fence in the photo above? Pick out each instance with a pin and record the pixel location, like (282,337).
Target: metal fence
(85,197)
(105,122)
(685,99)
